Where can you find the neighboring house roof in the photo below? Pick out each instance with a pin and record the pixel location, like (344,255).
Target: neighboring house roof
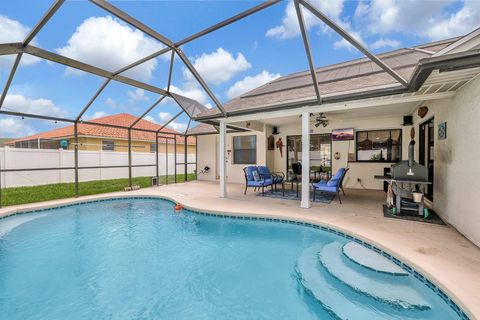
(4,141)
(121,119)
(355,76)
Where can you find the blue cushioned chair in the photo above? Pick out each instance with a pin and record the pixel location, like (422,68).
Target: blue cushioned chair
(254,179)
(333,185)
(277,177)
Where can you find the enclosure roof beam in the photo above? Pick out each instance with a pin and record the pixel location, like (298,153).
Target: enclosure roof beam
(169,121)
(80,115)
(143,60)
(301,22)
(200,80)
(146,112)
(199,34)
(87,68)
(10,48)
(35,116)
(188,126)
(170,70)
(353,42)
(10,78)
(51,11)
(228,21)
(132,21)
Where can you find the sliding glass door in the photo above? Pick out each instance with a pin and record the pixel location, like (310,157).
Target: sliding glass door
(320,154)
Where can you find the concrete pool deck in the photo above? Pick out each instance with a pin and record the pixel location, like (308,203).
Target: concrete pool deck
(441,253)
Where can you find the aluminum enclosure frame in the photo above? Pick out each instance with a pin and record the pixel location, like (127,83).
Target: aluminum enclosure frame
(21,48)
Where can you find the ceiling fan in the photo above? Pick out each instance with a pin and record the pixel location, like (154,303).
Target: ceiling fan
(320,120)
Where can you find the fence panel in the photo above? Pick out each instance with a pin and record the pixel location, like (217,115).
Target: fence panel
(16,158)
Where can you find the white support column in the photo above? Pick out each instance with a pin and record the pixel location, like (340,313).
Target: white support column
(221,159)
(305,202)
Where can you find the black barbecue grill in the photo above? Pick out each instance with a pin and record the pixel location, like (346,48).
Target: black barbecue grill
(408,179)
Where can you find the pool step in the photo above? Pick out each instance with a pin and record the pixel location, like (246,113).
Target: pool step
(371,259)
(328,295)
(387,288)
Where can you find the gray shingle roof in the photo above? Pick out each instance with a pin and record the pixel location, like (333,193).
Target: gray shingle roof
(352,76)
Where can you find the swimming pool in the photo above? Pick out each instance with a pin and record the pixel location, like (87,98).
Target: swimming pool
(138,259)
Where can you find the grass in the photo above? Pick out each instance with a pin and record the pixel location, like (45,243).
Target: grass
(22,195)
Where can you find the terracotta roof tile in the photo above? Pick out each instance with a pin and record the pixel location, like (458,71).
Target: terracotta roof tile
(121,119)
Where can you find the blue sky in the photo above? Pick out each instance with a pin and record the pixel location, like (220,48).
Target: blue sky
(232,60)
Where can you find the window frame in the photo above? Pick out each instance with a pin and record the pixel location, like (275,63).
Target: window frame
(154,149)
(357,132)
(109,141)
(234,150)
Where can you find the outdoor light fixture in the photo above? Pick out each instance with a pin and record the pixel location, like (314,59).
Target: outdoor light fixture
(321,119)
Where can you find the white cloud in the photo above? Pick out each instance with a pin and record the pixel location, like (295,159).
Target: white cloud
(14,128)
(96,115)
(290,28)
(114,104)
(150,118)
(425,18)
(177,126)
(20,103)
(250,82)
(164,116)
(137,95)
(14,31)
(461,22)
(385,43)
(108,43)
(342,43)
(192,92)
(218,66)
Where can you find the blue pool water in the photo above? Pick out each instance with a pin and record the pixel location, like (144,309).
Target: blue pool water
(138,259)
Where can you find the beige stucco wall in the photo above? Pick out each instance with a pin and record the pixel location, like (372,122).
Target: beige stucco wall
(456,190)
(207,154)
(95,144)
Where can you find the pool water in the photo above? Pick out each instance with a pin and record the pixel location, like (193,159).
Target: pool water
(138,259)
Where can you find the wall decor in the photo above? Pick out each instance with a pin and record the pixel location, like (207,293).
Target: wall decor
(337,155)
(422,111)
(279,145)
(271,142)
(342,134)
(442,131)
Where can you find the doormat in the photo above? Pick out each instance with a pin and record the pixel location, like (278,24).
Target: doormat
(411,216)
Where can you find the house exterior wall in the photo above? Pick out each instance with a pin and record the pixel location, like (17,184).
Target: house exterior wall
(208,153)
(95,144)
(457,171)
(358,170)
(456,189)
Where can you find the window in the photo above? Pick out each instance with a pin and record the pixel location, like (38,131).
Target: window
(320,152)
(108,145)
(379,145)
(245,149)
(153,147)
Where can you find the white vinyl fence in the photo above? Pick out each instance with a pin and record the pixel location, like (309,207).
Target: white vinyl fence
(15,158)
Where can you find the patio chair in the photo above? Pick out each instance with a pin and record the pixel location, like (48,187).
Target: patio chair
(277,177)
(334,185)
(255,180)
(297,170)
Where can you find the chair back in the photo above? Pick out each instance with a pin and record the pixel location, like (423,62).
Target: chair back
(297,168)
(340,185)
(337,179)
(264,171)
(248,171)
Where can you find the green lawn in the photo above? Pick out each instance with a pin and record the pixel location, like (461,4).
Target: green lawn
(21,195)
